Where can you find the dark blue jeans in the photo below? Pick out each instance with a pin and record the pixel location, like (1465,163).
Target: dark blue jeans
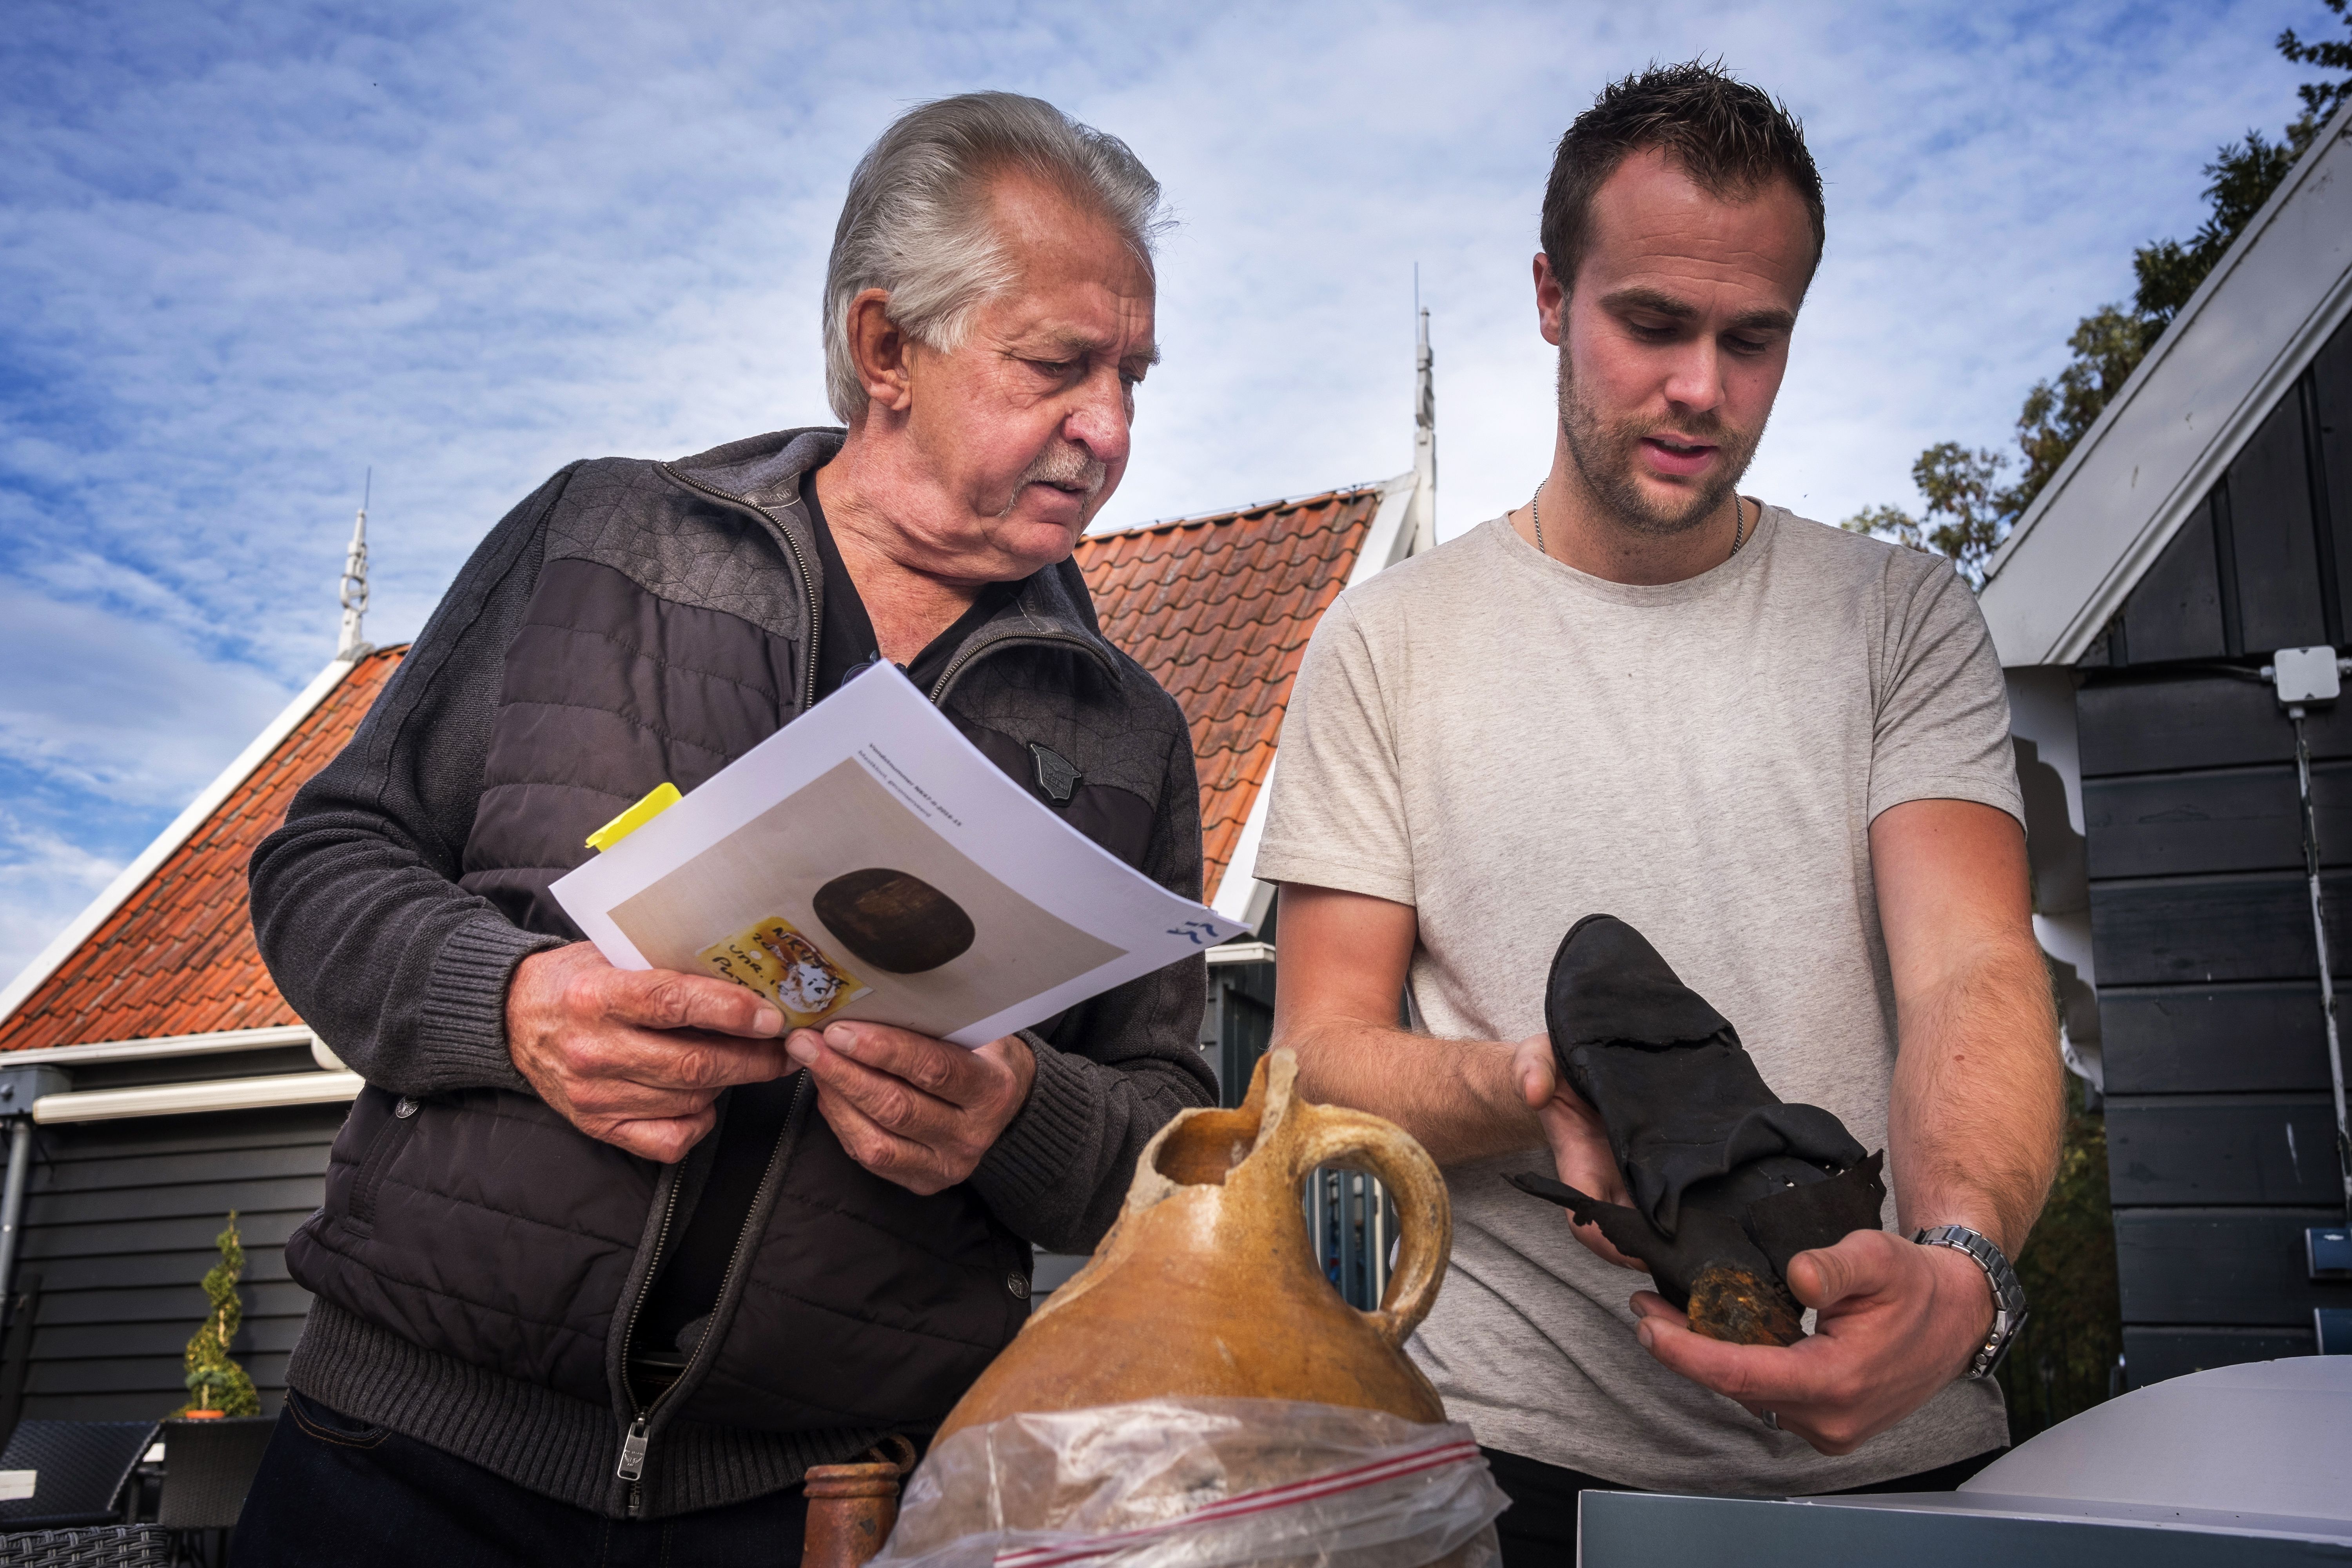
(334,1491)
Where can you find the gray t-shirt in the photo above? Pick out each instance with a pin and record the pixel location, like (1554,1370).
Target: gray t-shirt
(1508,744)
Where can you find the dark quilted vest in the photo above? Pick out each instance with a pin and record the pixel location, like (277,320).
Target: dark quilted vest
(666,637)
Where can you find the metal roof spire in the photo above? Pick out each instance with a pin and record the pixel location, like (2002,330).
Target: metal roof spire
(1424,435)
(354,589)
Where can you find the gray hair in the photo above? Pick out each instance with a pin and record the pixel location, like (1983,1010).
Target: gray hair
(917,221)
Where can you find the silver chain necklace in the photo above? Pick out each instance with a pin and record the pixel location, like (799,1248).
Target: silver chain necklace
(1738,520)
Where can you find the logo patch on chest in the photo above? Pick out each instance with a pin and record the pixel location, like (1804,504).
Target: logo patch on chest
(1056,776)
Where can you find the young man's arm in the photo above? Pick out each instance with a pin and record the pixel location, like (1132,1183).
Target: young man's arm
(1973,1140)
(1344,957)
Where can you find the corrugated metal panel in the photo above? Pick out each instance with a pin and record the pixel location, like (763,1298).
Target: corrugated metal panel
(120,1221)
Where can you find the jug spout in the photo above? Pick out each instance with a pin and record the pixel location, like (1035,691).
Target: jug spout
(1209,1284)
(1201,1148)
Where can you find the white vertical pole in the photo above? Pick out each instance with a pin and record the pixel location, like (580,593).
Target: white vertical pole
(1423,529)
(354,589)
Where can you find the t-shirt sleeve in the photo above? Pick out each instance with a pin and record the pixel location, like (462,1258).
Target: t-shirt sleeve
(1337,818)
(1943,709)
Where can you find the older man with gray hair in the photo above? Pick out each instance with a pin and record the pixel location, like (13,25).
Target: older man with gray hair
(608,1260)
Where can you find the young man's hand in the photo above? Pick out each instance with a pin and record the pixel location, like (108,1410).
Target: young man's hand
(1579,1143)
(910,1109)
(635,1057)
(1897,1322)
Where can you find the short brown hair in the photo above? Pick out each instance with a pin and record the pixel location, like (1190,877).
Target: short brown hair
(1731,138)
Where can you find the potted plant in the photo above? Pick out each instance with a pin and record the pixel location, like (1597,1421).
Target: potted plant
(218,1386)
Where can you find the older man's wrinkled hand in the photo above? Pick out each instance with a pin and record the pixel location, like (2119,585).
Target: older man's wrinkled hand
(912,1110)
(1897,1322)
(636,1057)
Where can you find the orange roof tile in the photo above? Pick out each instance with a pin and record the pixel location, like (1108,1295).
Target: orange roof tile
(178,956)
(1219,608)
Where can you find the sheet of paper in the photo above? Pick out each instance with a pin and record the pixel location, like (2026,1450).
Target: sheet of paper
(867,861)
(17,1485)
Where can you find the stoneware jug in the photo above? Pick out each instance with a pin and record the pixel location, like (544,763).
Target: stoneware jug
(1208,1286)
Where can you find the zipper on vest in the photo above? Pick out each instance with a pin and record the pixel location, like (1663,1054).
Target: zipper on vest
(632,1467)
(639,1438)
(800,564)
(633,1459)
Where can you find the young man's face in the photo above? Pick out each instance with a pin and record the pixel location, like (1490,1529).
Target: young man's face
(1674,337)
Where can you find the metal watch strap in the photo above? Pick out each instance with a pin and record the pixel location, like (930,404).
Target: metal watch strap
(2008,1295)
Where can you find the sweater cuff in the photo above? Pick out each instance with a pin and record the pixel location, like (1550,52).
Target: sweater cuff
(462,1022)
(1029,1160)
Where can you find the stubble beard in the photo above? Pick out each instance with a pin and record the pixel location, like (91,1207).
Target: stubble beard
(1605,456)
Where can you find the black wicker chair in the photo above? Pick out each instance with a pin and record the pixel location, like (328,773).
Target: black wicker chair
(106,1546)
(80,1466)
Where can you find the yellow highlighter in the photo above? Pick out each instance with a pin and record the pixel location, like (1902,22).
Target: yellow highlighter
(659,800)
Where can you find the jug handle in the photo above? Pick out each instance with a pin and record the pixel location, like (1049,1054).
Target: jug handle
(1334,1135)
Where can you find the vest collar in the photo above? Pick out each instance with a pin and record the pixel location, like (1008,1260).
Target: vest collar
(765,472)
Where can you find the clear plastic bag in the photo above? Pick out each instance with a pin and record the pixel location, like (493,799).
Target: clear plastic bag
(1200,1483)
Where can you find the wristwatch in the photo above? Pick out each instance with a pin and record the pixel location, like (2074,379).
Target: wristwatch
(2008,1295)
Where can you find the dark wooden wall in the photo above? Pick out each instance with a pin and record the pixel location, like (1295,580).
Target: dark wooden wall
(1237,1025)
(2219,1130)
(120,1218)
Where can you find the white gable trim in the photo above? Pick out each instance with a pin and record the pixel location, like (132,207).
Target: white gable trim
(1393,535)
(2141,470)
(1241,896)
(184,827)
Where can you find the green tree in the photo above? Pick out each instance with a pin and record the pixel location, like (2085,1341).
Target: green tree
(2242,175)
(1967,513)
(2060,1365)
(2320,98)
(214,1381)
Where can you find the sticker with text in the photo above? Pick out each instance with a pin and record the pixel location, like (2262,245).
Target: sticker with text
(775,959)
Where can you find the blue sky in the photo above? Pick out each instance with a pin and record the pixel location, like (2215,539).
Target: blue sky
(249,252)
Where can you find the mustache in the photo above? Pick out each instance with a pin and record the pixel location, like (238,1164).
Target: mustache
(1067,466)
(1703,429)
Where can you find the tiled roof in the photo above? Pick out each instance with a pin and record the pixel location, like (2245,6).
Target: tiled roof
(1219,609)
(178,956)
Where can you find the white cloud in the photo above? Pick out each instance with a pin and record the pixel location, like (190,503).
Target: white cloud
(46,880)
(251,251)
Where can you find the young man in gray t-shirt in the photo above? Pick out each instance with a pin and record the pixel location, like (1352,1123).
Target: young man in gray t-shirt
(1779,750)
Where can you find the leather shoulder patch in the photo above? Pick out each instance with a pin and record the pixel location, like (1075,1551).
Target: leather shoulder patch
(1057,775)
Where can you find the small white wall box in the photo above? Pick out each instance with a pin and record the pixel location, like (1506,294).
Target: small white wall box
(2306,675)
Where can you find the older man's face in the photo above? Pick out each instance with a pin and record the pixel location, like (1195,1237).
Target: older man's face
(1025,426)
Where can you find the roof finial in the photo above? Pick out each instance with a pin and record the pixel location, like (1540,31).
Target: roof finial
(1424,435)
(354,589)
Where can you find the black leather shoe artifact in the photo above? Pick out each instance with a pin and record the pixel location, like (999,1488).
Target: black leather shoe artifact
(1728,1182)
